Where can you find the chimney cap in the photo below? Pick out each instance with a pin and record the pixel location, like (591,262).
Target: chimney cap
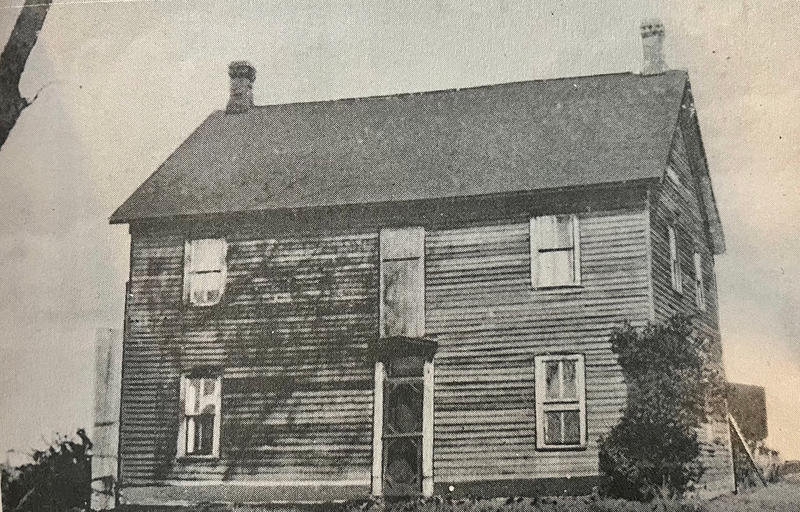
(242,69)
(652,27)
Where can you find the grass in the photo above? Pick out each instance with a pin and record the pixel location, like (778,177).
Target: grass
(780,497)
(783,496)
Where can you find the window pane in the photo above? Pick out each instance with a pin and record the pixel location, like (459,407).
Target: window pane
(190,434)
(204,434)
(209,403)
(572,427)
(570,379)
(192,396)
(673,246)
(552,383)
(552,428)
(556,267)
(206,288)
(207,254)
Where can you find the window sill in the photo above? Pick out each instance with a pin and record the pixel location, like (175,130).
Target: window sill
(564,448)
(204,305)
(574,287)
(196,458)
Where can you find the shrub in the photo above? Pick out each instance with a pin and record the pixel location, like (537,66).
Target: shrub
(58,479)
(673,387)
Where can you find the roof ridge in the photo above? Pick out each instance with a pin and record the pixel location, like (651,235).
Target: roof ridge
(468,88)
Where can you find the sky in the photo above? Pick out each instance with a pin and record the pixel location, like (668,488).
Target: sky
(122,83)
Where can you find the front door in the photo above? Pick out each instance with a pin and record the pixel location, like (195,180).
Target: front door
(402,426)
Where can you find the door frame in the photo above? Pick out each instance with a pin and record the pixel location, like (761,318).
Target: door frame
(427,429)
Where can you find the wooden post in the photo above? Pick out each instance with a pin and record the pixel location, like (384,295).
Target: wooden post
(377,432)
(427,430)
(108,380)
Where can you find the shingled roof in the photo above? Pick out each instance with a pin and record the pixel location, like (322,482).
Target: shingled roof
(512,137)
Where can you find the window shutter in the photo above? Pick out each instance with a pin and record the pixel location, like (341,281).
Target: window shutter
(534,236)
(576,248)
(403,282)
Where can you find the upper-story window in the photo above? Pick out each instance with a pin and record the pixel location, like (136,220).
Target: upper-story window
(201,397)
(699,282)
(560,401)
(555,251)
(674,260)
(204,279)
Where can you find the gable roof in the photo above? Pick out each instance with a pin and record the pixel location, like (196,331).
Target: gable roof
(512,137)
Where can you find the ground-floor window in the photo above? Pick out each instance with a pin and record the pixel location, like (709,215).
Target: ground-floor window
(200,423)
(560,401)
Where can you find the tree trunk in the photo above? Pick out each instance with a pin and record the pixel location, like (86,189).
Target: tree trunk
(12,63)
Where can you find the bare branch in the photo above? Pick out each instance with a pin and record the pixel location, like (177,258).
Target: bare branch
(42,88)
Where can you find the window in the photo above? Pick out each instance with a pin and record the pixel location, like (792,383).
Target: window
(674,260)
(204,280)
(200,426)
(402,282)
(699,284)
(555,251)
(560,402)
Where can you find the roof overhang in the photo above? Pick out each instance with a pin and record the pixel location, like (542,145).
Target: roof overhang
(387,348)
(690,125)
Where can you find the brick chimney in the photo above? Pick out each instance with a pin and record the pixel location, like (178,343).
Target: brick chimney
(652,47)
(242,74)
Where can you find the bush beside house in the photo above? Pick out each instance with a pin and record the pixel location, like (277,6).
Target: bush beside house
(58,479)
(673,387)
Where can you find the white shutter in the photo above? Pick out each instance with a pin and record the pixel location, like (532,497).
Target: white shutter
(402,282)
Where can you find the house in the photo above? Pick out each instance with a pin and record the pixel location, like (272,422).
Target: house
(410,294)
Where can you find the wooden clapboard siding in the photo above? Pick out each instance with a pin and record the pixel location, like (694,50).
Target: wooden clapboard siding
(679,203)
(491,323)
(300,307)
(289,340)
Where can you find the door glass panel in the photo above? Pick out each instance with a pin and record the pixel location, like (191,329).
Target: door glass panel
(402,426)
(409,366)
(403,467)
(404,408)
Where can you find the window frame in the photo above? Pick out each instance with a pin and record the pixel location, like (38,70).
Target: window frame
(188,271)
(699,282)
(183,430)
(544,405)
(536,250)
(675,271)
